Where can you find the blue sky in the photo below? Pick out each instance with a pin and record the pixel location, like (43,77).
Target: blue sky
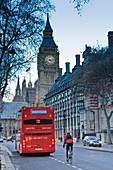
(72,32)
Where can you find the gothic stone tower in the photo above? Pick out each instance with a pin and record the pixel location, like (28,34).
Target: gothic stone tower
(18,95)
(47,63)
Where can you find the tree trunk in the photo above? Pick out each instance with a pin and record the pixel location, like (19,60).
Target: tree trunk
(109,138)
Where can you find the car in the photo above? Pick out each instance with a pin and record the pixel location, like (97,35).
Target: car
(1,138)
(9,138)
(4,138)
(92,141)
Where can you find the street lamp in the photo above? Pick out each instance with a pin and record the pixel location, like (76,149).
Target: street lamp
(93,119)
(0,83)
(64,121)
(1,127)
(1,102)
(12,52)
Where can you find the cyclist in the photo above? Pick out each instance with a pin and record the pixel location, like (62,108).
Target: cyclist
(68,140)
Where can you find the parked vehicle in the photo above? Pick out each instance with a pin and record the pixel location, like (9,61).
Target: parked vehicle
(92,141)
(10,138)
(4,138)
(1,138)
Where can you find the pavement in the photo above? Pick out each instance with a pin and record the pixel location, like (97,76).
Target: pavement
(5,154)
(105,147)
(5,163)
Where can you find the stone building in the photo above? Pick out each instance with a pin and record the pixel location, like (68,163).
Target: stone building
(76,109)
(8,116)
(47,63)
(67,98)
(47,67)
(26,94)
(93,119)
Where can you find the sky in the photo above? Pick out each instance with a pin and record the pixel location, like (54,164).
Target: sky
(72,31)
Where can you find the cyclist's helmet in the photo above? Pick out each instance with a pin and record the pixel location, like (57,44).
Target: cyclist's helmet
(68,136)
(68,133)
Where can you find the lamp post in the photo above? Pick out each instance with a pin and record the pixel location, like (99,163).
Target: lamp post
(0,83)
(64,121)
(1,101)
(93,119)
(76,121)
(1,128)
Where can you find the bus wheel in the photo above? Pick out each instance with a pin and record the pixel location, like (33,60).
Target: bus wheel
(21,154)
(48,154)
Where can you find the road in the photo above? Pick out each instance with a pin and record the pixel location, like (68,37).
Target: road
(83,159)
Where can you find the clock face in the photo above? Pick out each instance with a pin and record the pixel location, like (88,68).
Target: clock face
(50,60)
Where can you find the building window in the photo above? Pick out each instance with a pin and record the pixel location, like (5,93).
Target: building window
(92,125)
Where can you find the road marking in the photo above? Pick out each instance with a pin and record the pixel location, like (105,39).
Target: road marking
(59,161)
(65,163)
(56,159)
(73,166)
(68,164)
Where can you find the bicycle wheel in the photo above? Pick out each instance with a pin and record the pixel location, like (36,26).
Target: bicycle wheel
(70,160)
(70,156)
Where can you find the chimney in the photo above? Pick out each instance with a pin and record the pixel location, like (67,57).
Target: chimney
(60,72)
(77,60)
(77,57)
(110,42)
(59,75)
(67,67)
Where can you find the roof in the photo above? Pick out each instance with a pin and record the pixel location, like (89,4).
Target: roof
(60,85)
(11,109)
(48,26)
(48,40)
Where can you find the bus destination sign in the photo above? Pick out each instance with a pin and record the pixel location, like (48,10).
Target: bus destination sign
(36,112)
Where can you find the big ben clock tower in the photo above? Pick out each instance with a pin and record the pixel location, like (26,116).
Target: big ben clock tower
(47,63)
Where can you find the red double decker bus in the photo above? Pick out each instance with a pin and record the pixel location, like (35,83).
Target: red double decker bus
(35,130)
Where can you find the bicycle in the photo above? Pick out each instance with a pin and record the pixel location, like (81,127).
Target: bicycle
(69,160)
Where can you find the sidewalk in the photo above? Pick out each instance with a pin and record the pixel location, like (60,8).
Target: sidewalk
(105,147)
(6,163)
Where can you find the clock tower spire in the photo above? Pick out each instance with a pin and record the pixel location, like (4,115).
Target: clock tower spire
(47,62)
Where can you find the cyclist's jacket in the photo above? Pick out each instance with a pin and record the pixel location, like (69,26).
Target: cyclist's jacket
(68,139)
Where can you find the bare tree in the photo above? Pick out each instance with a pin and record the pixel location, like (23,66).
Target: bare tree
(97,79)
(79,4)
(21,25)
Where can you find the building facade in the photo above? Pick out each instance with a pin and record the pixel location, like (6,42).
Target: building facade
(67,98)
(76,109)
(47,67)
(47,63)
(26,93)
(93,117)
(9,115)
